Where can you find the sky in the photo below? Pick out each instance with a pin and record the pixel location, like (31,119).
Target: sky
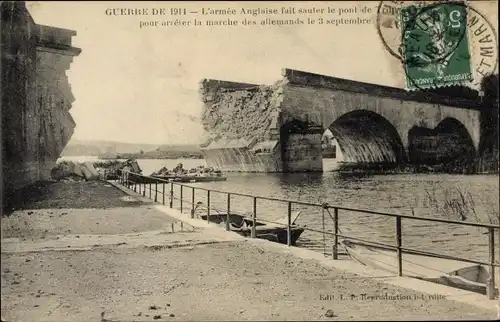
(141,85)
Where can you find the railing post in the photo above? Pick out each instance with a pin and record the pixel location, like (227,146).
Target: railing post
(156,191)
(335,252)
(163,192)
(398,245)
(323,229)
(150,190)
(228,211)
(254,218)
(289,228)
(171,194)
(181,197)
(490,290)
(208,205)
(192,203)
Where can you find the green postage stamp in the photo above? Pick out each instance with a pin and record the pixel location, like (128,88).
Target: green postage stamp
(435,45)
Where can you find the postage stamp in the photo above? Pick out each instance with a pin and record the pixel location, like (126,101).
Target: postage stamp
(435,45)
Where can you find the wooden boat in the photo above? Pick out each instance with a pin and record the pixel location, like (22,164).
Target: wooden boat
(188,178)
(159,179)
(270,231)
(135,178)
(458,274)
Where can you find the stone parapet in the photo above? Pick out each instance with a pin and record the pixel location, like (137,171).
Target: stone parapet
(300,78)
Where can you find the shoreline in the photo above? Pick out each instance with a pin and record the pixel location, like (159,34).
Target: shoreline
(343,169)
(129,264)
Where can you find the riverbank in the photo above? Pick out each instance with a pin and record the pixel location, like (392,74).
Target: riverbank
(163,155)
(72,264)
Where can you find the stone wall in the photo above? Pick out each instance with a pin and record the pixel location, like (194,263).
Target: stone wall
(36,96)
(241,122)
(323,100)
(371,123)
(303,153)
(236,111)
(243,160)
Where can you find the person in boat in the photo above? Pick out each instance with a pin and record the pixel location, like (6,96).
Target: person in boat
(178,169)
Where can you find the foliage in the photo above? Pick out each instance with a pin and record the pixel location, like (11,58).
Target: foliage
(460,204)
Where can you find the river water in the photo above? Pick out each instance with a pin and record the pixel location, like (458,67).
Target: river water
(469,197)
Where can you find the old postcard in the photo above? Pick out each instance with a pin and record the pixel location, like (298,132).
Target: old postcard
(210,160)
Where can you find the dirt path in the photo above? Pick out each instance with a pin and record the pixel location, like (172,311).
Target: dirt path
(229,281)
(128,263)
(47,223)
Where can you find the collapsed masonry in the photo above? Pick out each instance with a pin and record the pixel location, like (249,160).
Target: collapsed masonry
(242,125)
(248,132)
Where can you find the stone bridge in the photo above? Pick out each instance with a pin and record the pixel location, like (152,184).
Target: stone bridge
(279,128)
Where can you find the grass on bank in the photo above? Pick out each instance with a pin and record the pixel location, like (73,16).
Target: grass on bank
(460,204)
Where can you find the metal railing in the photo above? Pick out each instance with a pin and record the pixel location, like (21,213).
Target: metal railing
(150,188)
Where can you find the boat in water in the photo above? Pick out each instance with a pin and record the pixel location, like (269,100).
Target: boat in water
(459,274)
(275,232)
(198,174)
(190,178)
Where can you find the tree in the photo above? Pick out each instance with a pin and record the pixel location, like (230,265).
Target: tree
(488,148)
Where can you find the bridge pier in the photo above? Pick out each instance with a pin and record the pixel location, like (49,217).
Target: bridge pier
(301,147)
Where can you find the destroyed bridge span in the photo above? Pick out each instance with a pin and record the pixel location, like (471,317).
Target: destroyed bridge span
(278,128)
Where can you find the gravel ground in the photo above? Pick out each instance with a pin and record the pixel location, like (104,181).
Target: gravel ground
(153,274)
(46,223)
(235,281)
(68,194)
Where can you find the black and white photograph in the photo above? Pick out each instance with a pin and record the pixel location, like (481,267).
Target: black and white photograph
(249,161)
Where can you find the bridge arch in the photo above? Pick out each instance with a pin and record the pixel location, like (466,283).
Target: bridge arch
(366,137)
(449,145)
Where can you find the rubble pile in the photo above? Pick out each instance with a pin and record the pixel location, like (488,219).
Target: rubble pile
(74,171)
(180,171)
(111,170)
(241,114)
(85,171)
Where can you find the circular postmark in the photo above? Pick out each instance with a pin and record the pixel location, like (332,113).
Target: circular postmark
(434,31)
(479,36)
(483,46)
(435,49)
(389,27)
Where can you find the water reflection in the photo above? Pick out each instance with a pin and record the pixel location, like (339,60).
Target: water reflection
(300,179)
